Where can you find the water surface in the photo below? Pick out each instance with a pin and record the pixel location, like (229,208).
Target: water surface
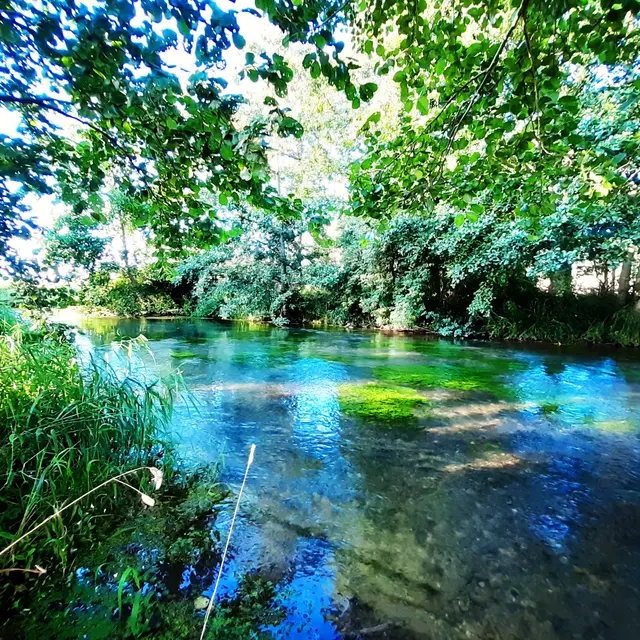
(509,507)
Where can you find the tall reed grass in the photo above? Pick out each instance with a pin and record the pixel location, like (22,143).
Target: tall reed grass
(64,429)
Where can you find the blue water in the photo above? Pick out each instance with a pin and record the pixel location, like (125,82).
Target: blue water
(500,515)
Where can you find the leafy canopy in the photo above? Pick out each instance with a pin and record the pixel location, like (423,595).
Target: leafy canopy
(104,97)
(496,97)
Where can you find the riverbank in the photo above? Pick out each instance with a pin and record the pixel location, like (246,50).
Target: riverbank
(104,534)
(620,329)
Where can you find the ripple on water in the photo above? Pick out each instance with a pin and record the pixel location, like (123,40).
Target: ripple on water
(512,510)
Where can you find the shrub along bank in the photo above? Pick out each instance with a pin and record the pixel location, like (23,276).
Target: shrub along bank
(458,279)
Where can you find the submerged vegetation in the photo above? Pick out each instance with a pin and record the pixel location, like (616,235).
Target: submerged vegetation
(382,403)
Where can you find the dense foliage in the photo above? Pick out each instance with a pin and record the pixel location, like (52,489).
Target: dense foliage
(499,157)
(476,279)
(160,135)
(499,100)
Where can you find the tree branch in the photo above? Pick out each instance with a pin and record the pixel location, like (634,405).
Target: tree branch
(534,75)
(333,15)
(486,74)
(49,103)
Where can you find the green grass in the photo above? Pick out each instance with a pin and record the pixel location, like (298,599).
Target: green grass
(381,403)
(64,430)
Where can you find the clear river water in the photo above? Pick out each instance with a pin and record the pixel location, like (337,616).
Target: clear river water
(406,487)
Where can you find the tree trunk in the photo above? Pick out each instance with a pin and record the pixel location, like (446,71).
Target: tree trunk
(125,252)
(636,287)
(624,280)
(605,273)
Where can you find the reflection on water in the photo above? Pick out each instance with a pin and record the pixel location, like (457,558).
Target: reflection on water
(509,512)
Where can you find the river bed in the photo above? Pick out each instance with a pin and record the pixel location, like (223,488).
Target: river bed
(406,487)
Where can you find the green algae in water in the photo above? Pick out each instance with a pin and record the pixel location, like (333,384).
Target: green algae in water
(549,408)
(183,355)
(614,426)
(443,377)
(381,403)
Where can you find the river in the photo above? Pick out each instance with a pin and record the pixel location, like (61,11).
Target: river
(474,490)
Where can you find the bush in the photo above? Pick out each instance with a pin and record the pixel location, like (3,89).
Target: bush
(29,294)
(140,293)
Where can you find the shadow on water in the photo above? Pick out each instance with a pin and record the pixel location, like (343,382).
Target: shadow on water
(509,509)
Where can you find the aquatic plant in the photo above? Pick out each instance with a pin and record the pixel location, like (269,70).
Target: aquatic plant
(458,378)
(614,426)
(549,408)
(182,355)
(131,583)
(381,403)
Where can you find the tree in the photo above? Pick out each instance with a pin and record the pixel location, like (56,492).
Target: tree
(111,70)
(497,102)
(72,243)
(258,273)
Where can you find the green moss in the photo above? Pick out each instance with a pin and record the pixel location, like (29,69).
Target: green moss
(180,355)
(443,377)
(549,408)
(381,403)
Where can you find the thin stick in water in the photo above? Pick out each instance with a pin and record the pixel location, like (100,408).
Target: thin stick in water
(226,546)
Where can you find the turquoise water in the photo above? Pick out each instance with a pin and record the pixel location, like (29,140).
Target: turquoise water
(507,507)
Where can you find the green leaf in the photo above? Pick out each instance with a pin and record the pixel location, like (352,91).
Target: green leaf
(226,151)
(183,27)
(423,105)
(238,40)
